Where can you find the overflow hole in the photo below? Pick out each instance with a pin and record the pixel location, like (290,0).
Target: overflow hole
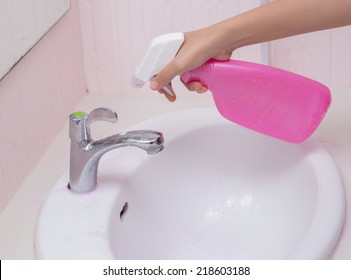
(123,211)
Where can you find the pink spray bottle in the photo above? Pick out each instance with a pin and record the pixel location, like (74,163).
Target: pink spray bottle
(268,100)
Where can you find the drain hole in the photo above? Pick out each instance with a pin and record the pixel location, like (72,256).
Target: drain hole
(123,211)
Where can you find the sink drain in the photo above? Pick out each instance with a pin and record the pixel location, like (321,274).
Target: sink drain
(123,211)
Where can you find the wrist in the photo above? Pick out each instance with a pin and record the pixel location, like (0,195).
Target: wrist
(226,37)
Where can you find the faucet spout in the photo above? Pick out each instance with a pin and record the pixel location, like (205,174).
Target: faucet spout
(86,153)
(147,140)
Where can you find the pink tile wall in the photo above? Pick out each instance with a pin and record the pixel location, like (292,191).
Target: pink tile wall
(116,33)
(100,56)
(35,99)
(324,56)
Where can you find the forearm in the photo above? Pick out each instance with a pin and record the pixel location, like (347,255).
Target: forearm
(284,18)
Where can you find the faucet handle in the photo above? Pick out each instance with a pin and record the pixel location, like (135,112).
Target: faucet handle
(102,114)
(80,122)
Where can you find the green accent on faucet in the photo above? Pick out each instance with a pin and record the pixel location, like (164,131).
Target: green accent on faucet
(78,114)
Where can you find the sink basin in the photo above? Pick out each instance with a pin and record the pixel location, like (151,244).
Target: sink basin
(217,191)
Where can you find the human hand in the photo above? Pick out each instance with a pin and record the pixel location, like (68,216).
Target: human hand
(198,47)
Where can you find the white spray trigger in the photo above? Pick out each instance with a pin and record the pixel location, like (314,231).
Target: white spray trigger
(161,51)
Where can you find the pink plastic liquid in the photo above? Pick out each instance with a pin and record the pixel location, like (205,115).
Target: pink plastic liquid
(271,101)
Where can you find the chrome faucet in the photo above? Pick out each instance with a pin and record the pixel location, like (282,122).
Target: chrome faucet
(86,153)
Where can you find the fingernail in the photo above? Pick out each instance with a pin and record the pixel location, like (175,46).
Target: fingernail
(154,85)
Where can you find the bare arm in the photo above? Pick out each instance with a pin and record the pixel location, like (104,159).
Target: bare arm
(284,18)
(278,19)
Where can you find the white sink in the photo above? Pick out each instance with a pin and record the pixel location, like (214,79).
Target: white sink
(217,191)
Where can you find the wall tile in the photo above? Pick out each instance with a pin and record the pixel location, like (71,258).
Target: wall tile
(35,98)
(2,195)
(13,138)
(323,56)
(304,54)
(340,64)
(69,63)
(98,25)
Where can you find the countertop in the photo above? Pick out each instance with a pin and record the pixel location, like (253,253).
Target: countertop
(18,219)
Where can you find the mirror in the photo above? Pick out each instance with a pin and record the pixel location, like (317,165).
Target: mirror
(22,24)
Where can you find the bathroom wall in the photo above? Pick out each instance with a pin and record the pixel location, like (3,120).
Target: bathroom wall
(36,98)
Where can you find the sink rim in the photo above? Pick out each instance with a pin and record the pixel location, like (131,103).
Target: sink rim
(103,251)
